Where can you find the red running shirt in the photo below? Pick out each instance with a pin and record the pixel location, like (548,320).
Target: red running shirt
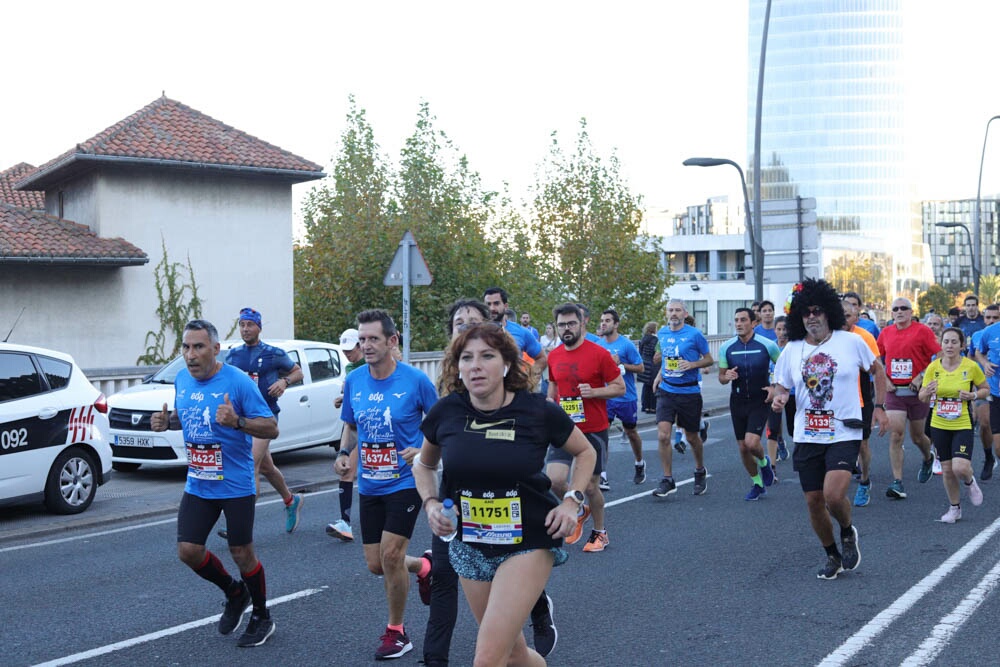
(907,351)
(588,364)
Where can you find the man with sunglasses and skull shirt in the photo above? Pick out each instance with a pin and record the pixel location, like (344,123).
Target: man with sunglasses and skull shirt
(907,347)
(824,364)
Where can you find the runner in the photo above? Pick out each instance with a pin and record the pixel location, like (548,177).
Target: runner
(825,365)
(744,362)
(582,377)
(625,409)
(991,315)
(682,352)
(385,405)
(777,451)
(951,382)
(341,528)
(220,410)
(273,372)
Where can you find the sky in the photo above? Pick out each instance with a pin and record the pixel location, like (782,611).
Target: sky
(657,81)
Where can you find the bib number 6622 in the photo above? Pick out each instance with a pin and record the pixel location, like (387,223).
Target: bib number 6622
(14,438)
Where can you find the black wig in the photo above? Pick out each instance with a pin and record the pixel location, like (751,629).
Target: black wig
(814,292)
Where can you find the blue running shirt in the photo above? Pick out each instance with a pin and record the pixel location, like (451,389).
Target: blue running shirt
(752,360)
(686,343)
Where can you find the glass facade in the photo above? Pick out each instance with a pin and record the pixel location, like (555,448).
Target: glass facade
(832,122)
(951,245)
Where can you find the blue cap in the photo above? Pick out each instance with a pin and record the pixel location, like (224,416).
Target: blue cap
(250,315)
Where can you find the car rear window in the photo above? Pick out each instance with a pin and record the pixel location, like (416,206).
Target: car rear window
(18,377)
(56,371)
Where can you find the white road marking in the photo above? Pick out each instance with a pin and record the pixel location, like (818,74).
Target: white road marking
(166,632)
(940,636)
(856,642)
(645,494)
(148,524)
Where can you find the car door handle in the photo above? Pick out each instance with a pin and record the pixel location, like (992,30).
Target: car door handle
(304,399)
(48,413)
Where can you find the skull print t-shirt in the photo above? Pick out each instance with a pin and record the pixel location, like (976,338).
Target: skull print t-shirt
(825,378)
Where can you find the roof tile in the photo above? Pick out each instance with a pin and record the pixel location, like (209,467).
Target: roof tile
(30,199)
(32,234)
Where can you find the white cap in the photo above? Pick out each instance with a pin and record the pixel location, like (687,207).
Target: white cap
(349,339)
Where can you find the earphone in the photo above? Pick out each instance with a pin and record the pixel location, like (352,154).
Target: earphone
(506,369)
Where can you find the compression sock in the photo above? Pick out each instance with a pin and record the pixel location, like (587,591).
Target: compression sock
(258,588)
(761,462)
(213,570)
(346,498)
(757,480)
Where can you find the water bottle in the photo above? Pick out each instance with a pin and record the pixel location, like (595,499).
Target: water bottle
(448,512)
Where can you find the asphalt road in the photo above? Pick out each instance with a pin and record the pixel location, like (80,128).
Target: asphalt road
(686,580)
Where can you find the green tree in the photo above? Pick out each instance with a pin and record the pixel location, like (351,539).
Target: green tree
(178,303)
(350,237)
(989,290)
(588,244)
(936,297)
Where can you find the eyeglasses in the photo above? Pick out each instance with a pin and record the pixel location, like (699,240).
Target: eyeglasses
(896,309)
(567,325)
(814,311)
(469,325)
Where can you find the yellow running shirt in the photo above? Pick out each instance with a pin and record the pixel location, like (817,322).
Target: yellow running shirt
(948,412)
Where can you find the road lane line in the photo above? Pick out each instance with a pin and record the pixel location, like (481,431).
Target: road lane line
(644,494)
(166,632)
(149,524)
(856,642)
(940,636)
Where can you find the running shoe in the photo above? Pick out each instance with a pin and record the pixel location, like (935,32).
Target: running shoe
(543,625)
(292,512)
(597,542)
(988,464)
(767,472)
(703,432)
(233,611)
(782,450)
(926,470)
(936,468)
(679,443)
(756,491)
(700,482)
(424,583)
(394,644)
(832,568)
(895,490)
(851,557)
(640,473)
(580,520)
(602,484)
(863,495)
(952,515)
(975,493)
(259,630)
(665,488)
(341,530)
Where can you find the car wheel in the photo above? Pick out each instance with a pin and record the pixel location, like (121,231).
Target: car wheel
(125,467)
(72,482)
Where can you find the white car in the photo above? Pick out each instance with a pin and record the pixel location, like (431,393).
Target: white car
(53,431)
(307,417)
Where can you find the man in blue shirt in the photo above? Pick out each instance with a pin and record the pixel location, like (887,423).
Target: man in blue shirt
(971,320)
(866,324)
(526,323)
(745,363)
(273,371)
(495,299)
(681,353)
(766,326)
(220,410)
(624,408)
(384,404)
(986,344)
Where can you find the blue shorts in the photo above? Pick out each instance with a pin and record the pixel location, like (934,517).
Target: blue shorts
(626,411)
(470,563)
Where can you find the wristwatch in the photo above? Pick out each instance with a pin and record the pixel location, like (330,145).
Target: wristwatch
(241,423)
(575,496)
(879,405)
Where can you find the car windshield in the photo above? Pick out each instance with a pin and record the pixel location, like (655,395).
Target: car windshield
(168,373)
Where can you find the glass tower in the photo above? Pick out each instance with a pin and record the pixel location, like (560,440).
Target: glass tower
(832,127)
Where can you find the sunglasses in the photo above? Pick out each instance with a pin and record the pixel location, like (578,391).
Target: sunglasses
(488,323)
(896,309)
(814,310)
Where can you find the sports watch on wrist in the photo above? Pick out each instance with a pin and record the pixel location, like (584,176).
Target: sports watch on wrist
(241,423)
(575,496)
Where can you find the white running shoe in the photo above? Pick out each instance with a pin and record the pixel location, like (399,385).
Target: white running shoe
(952,515)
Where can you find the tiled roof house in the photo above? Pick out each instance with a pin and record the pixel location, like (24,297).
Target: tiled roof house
(167,177)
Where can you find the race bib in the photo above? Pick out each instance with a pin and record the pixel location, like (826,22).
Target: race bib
(379,460)
(948,408)
(491,516)
(672,367)
(253,376)
(901,369)
(574,408)
(204,461)
(819,423)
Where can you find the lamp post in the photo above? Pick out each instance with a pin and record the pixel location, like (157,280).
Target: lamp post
(753,225)
(972,249)
(976,225)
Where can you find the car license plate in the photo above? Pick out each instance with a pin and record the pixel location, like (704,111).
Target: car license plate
(133,441)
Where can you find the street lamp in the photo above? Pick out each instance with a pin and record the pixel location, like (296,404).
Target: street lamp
(968,235)
(753,226)
(975,219)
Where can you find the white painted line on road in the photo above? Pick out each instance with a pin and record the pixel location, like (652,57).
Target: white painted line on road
(646,494)
(940,636)
(166,632)
(856,642)
(148,524)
